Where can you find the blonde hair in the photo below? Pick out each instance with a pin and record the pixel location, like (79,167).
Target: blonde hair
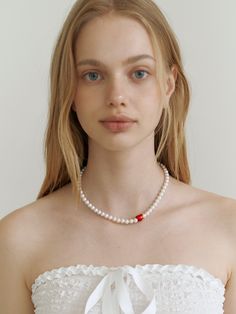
(66,143)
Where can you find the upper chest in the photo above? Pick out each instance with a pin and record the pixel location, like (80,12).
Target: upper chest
(187,236)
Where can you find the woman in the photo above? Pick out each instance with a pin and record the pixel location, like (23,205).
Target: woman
(117,227)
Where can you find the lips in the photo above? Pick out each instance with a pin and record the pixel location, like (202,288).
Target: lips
(118,126)
(118,123)
(120,118)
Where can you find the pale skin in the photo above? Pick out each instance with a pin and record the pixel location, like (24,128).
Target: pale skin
(190,226)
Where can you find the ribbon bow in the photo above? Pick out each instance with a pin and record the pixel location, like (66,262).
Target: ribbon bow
(112,301)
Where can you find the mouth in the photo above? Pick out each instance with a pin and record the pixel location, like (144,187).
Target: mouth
(118,126)
(118,118)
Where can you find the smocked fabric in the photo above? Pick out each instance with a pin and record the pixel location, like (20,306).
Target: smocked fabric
(140,289)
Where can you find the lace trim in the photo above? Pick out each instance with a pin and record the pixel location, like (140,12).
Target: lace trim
(91,270)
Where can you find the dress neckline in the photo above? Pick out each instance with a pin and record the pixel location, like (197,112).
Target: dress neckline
(102,270)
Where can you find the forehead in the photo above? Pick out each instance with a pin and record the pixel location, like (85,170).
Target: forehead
(113,36)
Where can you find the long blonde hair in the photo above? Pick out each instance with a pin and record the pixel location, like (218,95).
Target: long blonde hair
(66,143)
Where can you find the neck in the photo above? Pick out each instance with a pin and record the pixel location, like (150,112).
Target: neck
(122,184)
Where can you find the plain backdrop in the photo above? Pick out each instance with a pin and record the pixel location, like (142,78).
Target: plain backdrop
(206,34)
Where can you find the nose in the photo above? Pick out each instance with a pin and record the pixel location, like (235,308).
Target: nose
(116,94)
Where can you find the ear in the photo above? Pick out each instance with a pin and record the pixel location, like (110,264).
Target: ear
(170,83)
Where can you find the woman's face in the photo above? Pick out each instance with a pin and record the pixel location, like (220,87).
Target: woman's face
(118,79)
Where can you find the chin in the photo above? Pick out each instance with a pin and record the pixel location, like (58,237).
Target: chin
(119,145)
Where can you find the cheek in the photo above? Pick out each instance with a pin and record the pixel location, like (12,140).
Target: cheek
(151,91)
(153,109)
(85,107)
(152,101)
(87,98)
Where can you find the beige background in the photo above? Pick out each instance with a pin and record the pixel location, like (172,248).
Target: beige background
(28,30)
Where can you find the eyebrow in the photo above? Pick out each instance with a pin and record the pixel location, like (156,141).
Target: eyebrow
(127,61)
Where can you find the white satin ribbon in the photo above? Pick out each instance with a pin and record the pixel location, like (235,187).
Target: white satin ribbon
(113,301)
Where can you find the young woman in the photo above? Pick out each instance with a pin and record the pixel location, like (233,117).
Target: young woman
(117,226)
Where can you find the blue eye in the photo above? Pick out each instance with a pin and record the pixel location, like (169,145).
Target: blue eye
(91,75)
(140,71)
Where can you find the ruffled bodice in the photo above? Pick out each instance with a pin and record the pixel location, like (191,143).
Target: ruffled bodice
(146,289)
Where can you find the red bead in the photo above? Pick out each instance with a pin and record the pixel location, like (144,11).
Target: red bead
(139,217)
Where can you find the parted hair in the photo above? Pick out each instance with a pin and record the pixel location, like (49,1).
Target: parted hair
(65,142)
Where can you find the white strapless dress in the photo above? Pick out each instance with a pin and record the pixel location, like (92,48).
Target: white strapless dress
(140,289)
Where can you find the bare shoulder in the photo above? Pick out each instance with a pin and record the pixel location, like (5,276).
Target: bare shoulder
(220,210)
(228,214)
(16,229)
(24,225)
(16,248)
(221,207)
(223,215)
(228,217)
(193,195)
(19,232)
(25,230)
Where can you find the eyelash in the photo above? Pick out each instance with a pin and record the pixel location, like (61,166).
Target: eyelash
(140,70)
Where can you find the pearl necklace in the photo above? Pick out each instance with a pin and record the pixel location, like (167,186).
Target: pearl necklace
(137,218)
